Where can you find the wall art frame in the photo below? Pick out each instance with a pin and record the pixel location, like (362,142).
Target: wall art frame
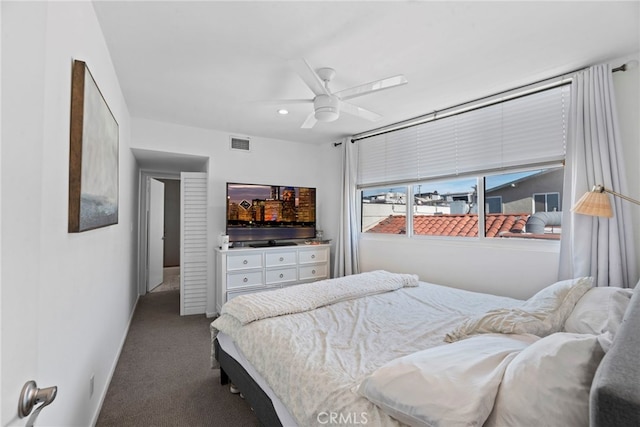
(93,155)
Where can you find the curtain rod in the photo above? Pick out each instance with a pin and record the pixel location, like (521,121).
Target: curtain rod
(626,66)
(556,81)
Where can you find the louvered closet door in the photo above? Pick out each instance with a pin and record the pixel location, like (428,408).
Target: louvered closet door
(193,243)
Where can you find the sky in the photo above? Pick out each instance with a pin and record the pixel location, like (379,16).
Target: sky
(239,192)
(455,185)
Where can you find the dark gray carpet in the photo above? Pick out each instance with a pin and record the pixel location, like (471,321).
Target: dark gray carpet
(163,377)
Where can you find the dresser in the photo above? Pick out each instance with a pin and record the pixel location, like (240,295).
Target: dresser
(247,270)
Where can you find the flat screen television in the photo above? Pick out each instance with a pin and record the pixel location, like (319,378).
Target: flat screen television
(260,213)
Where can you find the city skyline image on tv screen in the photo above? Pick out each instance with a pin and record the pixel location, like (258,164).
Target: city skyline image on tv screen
(253,209)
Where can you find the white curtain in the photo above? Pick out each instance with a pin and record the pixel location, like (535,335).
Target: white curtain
(591,246)
(346,254)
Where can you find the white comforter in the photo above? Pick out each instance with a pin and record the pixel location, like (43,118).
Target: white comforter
(309,296)
(314,360)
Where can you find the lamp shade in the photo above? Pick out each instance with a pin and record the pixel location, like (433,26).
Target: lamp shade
(594,203)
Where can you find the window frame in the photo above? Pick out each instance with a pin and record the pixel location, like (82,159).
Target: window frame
(481,237)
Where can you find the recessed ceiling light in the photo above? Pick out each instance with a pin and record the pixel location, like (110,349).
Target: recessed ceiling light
(283,112)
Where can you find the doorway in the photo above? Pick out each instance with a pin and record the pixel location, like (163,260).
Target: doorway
(170,280)
(155,225)
(190,173)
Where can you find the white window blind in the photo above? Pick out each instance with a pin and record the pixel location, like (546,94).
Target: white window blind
(524,131)
(391,157)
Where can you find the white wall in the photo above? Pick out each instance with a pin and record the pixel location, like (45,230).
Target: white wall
(269,162)
(66,298)
(515,269)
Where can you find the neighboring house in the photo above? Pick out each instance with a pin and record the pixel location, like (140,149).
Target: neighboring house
(541,192)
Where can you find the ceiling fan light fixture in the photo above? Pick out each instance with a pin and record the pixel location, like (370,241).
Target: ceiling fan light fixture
(326,114)
(327,108)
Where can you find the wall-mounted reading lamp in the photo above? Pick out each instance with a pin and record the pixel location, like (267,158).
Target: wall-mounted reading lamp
(596,202)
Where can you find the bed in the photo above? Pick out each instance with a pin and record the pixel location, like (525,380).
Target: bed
(386,349)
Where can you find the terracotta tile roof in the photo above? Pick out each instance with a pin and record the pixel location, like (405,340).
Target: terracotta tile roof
(462,225)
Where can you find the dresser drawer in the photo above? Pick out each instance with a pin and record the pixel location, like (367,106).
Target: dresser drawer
(308,256)
(242,261)
(244,278)
(281,258)
(282,275)
(313,272)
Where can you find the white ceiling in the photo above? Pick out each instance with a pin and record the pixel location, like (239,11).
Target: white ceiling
(213,64)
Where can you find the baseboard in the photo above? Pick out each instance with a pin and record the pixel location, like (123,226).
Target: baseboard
(103,395)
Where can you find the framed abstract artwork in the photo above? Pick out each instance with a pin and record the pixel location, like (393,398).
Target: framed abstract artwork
(93,155)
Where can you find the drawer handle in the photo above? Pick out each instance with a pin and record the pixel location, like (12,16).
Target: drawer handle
(281,275)
(313,272)
(245,262)
(313,256)
(281,259)
(245,280)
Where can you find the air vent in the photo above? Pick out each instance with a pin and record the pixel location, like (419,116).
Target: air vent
(242,144)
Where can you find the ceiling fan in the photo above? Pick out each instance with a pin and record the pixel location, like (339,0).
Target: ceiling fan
(327,105)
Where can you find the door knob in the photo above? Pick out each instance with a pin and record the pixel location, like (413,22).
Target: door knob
(31,395)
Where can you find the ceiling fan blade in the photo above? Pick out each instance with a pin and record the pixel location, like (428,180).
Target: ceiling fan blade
(368,88)
(309,76)
(359,112)
(310,121)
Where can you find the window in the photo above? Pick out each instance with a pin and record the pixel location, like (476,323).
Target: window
(384,210)
(522,195)
(478,173)
(546,202)
(452,207)
(493,204)
(446,208)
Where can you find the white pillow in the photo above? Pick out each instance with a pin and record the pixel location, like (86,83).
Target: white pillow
(541,315)
(559,298)
(548,383)
(599,311)
(449,385)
